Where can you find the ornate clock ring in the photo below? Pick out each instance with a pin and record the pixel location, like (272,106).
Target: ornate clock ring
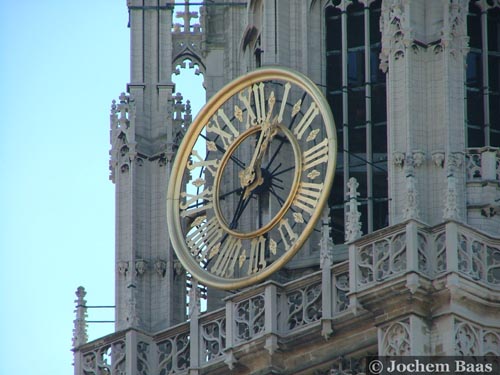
(257,181)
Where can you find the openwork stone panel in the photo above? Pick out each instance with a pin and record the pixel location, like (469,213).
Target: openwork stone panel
(478,259)
(396,339)
(143,357)
(108,359)
(173,354)
(474,340)
(213,335)
(477,159)
(341,302)
(473,166)
(440,246)
(382,259)
(304,306)
(249,318)
(424,256)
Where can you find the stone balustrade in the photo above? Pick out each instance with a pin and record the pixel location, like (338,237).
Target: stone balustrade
(266,315)
(412,247)
(483,164)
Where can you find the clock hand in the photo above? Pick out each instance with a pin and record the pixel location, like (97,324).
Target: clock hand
(251,177)
(240,207)
(247,176)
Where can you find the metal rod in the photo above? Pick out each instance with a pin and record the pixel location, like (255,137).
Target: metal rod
(100,307)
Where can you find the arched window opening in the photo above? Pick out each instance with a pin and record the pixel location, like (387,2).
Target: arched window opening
(356,91)
(483,75)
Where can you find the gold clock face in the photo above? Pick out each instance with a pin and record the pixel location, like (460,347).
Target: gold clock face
(251,178)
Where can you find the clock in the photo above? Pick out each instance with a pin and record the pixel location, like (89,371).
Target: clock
(251,178)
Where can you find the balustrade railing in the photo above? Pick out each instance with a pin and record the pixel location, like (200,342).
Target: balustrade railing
(430,252)
(483,164)
(273,310)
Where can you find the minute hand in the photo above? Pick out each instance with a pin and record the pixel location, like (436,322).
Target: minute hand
(247,176)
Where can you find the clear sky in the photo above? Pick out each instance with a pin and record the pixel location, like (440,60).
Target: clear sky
(61,64)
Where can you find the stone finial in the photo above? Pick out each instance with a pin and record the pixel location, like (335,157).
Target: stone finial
(194,299)
(411,211)
(326,242)
(80,336)
(451,208)
(353,216)
(131,315)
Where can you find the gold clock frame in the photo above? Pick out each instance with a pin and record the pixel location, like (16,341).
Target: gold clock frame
(177,237)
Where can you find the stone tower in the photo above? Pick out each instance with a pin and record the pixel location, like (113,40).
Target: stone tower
(408,260)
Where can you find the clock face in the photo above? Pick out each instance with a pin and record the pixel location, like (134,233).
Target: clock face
(251,178)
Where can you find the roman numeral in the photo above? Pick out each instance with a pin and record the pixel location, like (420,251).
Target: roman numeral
(260,101)
(288,236)
(283,102)
(246,102)
(306,120)
(196,202)
(215,127)
(315,155)
(257,258)
(227,256)
(203,237)
(208,165)
(307,196)
(259,96)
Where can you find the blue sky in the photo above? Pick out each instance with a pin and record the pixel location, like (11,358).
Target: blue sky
(62,62)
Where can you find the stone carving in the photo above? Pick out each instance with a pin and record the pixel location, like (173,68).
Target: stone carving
(341,302)
(160,267)
(122,268)
(398,158)
(304,306)
(143,352)
(454,32)
(122,123)
(178,269)
(107,359)
(396,339)
(249,318)
(466,339)
(418,158)
(451,211)
(440,244)
(131,315)
(491,343)
(424,257)
(140,267)
(173,354)
(438,158)
(214,339)
(381,259)
(80,336)
(187,37)
(411,210)
(478,259)
(181,119)
(396,34)
(194,299)
(326,243)
(353,222)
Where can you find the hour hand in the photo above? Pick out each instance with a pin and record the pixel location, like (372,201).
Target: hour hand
(251,176)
